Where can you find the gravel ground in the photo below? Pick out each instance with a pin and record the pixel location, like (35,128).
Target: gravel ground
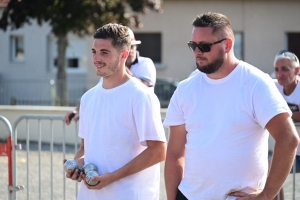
(59,180)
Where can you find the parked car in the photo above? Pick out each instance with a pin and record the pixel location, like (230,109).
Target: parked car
(164,89)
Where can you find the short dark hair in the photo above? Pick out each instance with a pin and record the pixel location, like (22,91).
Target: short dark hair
(217,21)
(117,33)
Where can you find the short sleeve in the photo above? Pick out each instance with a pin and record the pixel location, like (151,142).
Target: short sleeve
(174,115)
(267,101)
(148,119)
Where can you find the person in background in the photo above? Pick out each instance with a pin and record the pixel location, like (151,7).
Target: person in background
(286,68)
(142,68)
(120,126)
(220,121)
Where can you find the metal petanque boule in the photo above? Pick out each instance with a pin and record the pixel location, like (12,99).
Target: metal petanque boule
(70,165)
(89,176)
(89,167)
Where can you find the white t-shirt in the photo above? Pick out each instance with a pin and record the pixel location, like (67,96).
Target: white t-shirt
(293,101)
(115,124)
(193,73)
(144,69)
(225,119)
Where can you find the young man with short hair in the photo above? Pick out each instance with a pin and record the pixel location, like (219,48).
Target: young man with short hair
(120,126)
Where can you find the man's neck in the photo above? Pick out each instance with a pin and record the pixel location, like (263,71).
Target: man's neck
(225,69)
(289,89)
(116,79)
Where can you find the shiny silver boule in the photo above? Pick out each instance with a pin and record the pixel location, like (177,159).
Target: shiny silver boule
(88,178)
(89,167)
(70,164)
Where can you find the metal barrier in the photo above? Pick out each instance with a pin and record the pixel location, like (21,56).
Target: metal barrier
(6,150)
(297,124)
(37,169)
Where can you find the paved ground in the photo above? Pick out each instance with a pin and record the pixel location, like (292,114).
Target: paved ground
(32,187)
(33,190)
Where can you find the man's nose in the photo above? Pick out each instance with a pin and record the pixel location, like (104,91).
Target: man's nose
(279,73)
(96,57)
(198,51)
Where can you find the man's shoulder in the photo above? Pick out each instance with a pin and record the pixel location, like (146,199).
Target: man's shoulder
(190,82)
(252,72)
(145,60)
(90,91)
(138,86)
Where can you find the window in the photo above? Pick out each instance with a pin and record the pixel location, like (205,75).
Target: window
(73,62)
(17,48)
(294,43)
(151,46)
(76,54)
(238,45)
(70,62)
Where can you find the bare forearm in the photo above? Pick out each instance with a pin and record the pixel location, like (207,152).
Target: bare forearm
(173,175)
(150,156)
(283,157)
(79,157)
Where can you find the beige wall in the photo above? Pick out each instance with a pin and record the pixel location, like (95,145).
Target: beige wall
(264,24)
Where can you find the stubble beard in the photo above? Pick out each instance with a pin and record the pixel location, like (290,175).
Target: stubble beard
(214,66)
(110,69)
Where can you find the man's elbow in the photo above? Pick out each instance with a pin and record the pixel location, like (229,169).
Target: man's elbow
(161,152)
(296,141)
(293,141)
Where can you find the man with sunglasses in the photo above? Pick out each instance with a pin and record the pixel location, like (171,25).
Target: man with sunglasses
(286,67)
(220,120)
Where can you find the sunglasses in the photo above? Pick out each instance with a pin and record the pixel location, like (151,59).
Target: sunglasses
(287,54)
(204,47)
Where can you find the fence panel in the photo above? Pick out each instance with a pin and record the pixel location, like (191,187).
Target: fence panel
(40,163)
(6,151)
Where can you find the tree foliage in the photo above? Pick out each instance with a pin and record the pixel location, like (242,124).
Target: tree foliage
(77,16)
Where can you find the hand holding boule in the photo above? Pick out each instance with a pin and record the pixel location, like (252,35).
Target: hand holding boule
(70,165)
(72,170)
(89,176)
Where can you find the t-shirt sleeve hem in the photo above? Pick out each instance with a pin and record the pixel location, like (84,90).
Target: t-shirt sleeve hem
(264,123)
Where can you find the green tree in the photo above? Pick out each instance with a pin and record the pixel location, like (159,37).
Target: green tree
(77,16)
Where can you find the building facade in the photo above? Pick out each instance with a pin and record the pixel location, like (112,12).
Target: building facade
(261,28)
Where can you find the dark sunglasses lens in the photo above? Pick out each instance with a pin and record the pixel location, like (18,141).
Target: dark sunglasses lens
(204,47)
(192,46)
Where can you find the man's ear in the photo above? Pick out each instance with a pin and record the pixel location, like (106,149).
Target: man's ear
(229,45)
(297,70)
(125,54)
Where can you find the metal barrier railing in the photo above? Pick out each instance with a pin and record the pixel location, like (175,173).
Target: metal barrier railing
(297,124)
(36,165)
(6,150)
(35,172)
